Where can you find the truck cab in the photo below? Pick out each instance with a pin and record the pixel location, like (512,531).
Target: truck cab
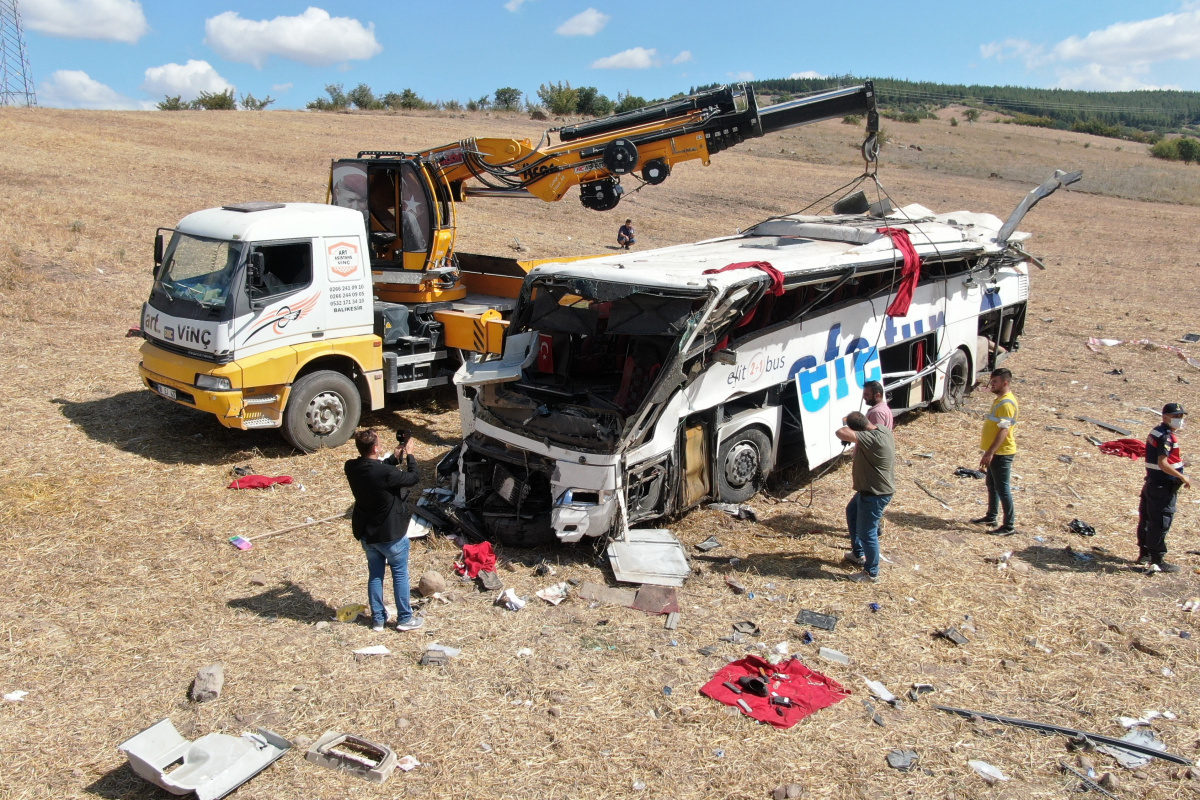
(261,314)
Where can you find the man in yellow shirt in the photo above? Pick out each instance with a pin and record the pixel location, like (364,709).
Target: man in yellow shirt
(999,446)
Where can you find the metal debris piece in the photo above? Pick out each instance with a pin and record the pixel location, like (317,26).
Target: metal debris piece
(212,766)
(735,510)
(672,621)
(903,760)
(924,489)
(872,714)
(490,581)
(656,600)
(649,555)
(1088,782)
(1108,426)
(825,622)
(1149,745)
(954,635)
(747,627)
(346,752)
(880,691)
(1043,727)
(835,656)
(735,585)
(919,689)
(710,543)
(710,650)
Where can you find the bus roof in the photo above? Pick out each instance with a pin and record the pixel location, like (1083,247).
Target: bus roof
(796,245)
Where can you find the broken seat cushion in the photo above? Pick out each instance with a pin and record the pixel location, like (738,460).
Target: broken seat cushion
(809,691)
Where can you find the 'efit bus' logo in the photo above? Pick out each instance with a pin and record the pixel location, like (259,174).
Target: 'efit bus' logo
(343,258)
(817,386)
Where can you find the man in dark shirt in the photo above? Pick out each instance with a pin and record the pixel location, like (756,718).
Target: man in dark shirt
(1164,476)
(380,521)
(625,236)
(874,473)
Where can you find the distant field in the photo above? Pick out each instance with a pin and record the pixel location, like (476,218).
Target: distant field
(120,582)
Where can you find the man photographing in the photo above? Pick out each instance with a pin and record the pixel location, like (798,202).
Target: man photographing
(380,521)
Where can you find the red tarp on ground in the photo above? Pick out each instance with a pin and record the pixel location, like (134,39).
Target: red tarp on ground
(809,691)
(258,481)
(1129,448)
(476,558)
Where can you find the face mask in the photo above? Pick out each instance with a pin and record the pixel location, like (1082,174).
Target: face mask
(1176,422)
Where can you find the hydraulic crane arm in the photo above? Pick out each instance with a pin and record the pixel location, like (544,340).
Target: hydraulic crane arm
(594,155)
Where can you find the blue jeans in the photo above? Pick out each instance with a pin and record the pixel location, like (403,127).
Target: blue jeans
(999,477)
(862,518)
(379,557)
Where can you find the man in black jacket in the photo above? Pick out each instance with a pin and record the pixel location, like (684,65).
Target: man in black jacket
(380,521)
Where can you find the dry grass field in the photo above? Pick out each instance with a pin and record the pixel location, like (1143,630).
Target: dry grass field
(118,582)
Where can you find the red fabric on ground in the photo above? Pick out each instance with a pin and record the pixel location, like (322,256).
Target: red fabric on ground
(909,276)
(810,691)
(1128,448)
(476,558)
(258,481)
(776,276)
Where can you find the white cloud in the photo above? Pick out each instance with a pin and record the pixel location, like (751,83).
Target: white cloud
(585,23)
(186,80)
(313,38)
(514,5)
(1117,58)
(1171,37)
(281,87)
(73,88)
(111,20)
(682,58)
(1100,78)
(808,73)
(634,58)
(744,75)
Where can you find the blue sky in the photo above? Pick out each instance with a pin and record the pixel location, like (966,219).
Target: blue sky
(130,54)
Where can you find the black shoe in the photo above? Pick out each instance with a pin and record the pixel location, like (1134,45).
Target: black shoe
(1003,530)
(1143,559)
(989,521)
(1162,566)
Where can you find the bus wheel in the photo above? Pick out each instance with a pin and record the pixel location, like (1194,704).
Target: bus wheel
(957,378)
(743,461)
(322,411)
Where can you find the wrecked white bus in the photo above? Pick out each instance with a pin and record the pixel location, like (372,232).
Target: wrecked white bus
(638,385)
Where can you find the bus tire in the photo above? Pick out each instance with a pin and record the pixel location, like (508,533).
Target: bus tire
(743,463)
(958,379)
(322,411)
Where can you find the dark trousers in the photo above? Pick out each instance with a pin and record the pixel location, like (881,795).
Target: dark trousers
(1155,513)
(999,478)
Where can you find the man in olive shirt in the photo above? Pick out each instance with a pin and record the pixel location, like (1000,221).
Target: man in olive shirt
(874,474)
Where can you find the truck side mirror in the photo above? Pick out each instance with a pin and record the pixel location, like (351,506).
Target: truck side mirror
(158,252)
(254,272)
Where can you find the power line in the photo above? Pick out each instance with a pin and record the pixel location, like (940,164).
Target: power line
(16,76)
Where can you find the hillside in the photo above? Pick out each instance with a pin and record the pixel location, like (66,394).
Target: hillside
(120,582)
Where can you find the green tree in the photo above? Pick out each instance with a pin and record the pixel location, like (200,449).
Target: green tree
(629,102)
(363,98)
(173,104)
(337,99)
(251,103)
(216,101)
(972,114)
(591,103)
(452,105)
(559,97)
(1188,149)
(1165,149)
(508,99)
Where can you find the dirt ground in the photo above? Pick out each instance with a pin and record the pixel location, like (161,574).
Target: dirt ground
(119,582)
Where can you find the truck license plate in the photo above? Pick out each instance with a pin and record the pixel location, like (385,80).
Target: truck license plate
(165,391)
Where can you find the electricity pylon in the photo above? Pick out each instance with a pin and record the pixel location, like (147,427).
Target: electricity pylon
(16,76)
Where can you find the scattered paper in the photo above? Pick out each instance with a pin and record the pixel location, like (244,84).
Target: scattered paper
(451,652)
(1128,758)
(987,771)
(373,650)
(16,696)
(406,763)
(554,594)
(508,598)
(879,690)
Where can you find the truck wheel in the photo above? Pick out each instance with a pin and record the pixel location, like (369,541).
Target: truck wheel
(743,462)
(957,378)
(322,411)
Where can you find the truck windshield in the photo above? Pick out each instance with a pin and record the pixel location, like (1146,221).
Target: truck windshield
(200,270)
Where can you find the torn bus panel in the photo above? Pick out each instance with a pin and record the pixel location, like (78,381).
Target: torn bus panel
(667,378)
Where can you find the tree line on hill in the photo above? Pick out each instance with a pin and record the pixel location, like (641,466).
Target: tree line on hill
(556,98)
(215,101)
